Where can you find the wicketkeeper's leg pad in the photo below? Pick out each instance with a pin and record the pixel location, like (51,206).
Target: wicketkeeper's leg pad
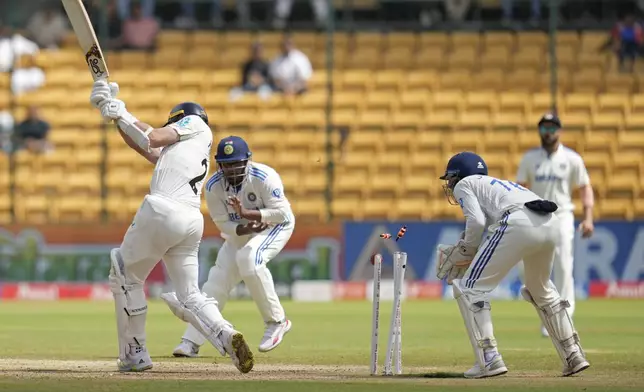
(557,321)
(478,322)
(202,313)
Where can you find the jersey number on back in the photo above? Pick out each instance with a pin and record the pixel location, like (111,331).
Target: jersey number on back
(508,185)
(194,181)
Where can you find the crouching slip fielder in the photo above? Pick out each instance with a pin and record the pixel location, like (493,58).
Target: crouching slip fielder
(167,226)
(523,227)
(247,203)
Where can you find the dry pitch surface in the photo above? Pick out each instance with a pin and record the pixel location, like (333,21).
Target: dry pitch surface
(65,346)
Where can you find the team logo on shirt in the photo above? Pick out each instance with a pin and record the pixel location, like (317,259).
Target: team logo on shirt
(228,149)
(460,202)
(252,197)
(184,121)
(277,193)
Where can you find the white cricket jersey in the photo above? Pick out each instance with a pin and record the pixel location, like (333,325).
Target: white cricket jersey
(554,177)
(182,167)
(484,200)
(261,190)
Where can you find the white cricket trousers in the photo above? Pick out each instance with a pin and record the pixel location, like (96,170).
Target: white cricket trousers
(520,234)
(168,230)
(236,262)
(562,269)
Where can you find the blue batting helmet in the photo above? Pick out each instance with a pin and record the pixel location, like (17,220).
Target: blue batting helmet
(232,156)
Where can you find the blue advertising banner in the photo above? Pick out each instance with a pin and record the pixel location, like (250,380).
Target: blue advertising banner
(614,253)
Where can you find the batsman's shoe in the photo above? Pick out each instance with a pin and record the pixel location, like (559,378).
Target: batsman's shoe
(236,346)
(576,363)
(186,349)
(273,335)
(493,367)
(137,360)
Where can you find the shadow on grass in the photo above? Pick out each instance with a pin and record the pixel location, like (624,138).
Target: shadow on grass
(433,375)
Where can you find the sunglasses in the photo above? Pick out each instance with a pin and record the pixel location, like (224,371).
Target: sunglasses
(544,129)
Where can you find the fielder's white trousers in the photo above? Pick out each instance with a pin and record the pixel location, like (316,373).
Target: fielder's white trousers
(236,262)
(164,229)
(519,235)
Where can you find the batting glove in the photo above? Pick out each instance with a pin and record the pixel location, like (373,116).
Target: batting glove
(102,91)
(113,109)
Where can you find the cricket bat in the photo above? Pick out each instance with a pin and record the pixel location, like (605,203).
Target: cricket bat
(86,38)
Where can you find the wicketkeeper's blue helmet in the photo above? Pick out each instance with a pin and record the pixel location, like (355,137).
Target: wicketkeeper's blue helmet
(232,156)
(461,165)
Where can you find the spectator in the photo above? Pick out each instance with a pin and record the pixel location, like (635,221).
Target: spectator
(627,39)
(12,46)
(47,27)
(283,11)
(114,24)
(124,8)
(31,134)
(291,70)
(255,76)
(457,9)
(508,10)
(187,18)
(139,32)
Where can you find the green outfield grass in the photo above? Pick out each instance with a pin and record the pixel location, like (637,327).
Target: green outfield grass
(66,346)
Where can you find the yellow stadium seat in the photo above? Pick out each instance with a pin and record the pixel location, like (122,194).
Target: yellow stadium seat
(461,40)
(508,121)
(433,39)
(344,208)
(528,59)
(430,57)
(362,40)
(417,186)
(631,141)
(499,38)
(463,58)
(444,119)
(244,39)
(568,38)
(587,80)
(398,58)
(313,100)
(275,119)
(367,57)
(480,101)
(356,80)
(488,80)
(384,186)
(389,80)
(496,57)
(5,208)
(314,183)
(73,209)
(203,39)
(307,209)
(377,101)
(613,103)
(523,80)
(576,122)
(373,120)
(395,40)
(414,100)
(541,103)
(580,103)
(612,122)
(376,209)
(428,143)
(628,163)
(413,209)
(344,117)
(420,80)
(441,209)
(464,140)
(638,209)
(616,209)
(404,121)
(172,38)
(619,83)
(364,141)
(347,100)
(448,100)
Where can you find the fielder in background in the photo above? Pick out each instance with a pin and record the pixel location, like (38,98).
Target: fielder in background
(167,226)
(522,227)
(246,201)
(553,172)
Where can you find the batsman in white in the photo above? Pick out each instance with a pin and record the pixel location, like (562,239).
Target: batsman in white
(553,172)
(522,226)
(246,201)
(167,226)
